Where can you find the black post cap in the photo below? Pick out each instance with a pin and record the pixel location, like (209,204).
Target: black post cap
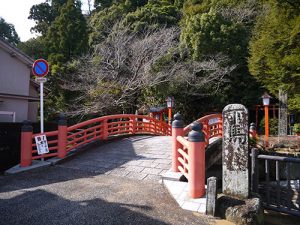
(26,127)
(252,126)
(177,122)
(62,120)
(196,134)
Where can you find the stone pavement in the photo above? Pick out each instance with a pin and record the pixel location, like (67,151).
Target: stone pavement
(115,183)
(136,157)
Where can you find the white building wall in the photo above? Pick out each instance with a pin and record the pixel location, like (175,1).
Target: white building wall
(14,75)
(19,106)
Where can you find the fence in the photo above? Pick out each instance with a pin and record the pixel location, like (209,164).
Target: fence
(279,191)
(65,139)
(188,153)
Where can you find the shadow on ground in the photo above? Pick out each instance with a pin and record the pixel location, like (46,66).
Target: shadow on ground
(41,207)
(95,159)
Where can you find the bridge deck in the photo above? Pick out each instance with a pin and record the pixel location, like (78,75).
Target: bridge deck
(100,186)
(136,157)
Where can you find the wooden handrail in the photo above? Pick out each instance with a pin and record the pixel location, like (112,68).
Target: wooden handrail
(67,138)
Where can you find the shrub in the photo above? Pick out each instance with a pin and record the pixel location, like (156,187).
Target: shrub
(273,126)
(296,128)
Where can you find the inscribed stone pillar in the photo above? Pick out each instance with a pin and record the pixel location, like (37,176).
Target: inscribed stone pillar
(282,117)
(235,151)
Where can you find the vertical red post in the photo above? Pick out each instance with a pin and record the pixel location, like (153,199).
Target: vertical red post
(196,161)
(169,115)
(62,136)
(266,125)
(26,144)
(177,130)
(220,127)
(105,130)
(132,125)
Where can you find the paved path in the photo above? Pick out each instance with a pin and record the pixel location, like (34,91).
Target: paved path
(137,157)
(115,183)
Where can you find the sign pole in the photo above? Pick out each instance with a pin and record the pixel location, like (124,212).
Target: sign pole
(42,106)
(40,68)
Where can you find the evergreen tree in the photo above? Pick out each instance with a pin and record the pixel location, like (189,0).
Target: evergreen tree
(34,47)
(152,16)
(44,14)
(222,27)
(8,32)
(67,36)
(275,50)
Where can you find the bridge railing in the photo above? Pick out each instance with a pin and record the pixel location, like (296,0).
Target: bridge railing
(66,139)
(212,126)
(189,152)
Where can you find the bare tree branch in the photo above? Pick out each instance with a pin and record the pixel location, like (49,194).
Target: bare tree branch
(125,64)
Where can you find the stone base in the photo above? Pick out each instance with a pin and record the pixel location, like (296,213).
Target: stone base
(36,164)
(240,212)
(179,191)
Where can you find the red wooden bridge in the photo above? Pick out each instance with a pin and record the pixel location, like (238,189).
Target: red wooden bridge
(188,152)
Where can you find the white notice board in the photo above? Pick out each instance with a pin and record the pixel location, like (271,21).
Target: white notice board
(41,144)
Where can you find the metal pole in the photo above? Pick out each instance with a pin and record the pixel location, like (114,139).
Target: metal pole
(42,106)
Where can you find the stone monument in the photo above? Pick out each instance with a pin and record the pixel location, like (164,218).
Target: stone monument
(235,151)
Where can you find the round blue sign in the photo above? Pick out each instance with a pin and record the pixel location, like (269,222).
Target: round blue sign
(40,68)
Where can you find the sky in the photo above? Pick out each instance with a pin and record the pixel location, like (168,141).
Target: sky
(16,12)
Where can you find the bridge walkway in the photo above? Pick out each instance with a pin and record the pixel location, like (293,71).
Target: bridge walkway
(113,183)
(135,157)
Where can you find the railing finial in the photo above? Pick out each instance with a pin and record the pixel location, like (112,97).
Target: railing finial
(27,126)
(62,119)
(177,123)
(196,134)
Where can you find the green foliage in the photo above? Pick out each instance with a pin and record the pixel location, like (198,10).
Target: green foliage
(34,47)
(67,35)
(152,16)
(296,128)
(101,23)
(275,51)
(273,126)
(209,28)
(106,19)
(43,15)
(207,31)
(8,32)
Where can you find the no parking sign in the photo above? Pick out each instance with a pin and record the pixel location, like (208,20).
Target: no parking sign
(40,68)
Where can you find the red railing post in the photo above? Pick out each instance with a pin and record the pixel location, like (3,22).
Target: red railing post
(196,151)
(26,144)
(62,136)
(132,125)
(220,126)
(177,130)
(105,130)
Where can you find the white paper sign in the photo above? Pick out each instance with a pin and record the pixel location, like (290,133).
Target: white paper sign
(41,144)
